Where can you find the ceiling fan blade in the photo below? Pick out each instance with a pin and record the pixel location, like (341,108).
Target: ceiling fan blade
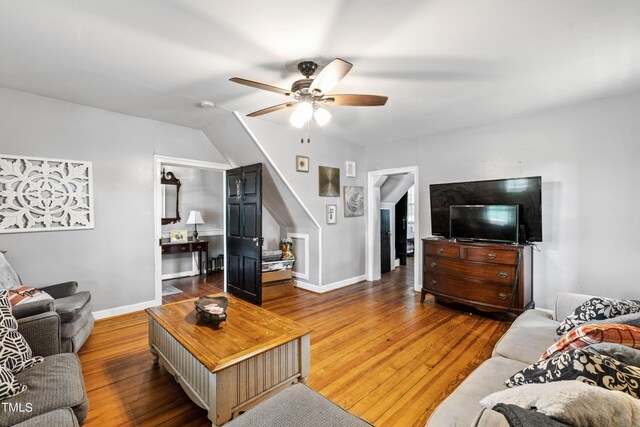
(355,100)
(330,76)
(271,109)
(259,85)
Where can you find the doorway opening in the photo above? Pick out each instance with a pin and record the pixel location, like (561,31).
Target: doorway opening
(184,257)
(393,198)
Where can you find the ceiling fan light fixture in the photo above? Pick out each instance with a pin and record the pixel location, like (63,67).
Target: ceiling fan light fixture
(321,116)
(301,115)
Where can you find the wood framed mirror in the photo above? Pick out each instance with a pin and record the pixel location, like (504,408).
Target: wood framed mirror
(170,198)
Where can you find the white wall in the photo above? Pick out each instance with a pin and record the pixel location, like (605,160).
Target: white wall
(115,261)
(587,156)
(343,253)
(270,231)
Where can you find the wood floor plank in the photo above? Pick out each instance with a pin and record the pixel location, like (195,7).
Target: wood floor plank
(375,350)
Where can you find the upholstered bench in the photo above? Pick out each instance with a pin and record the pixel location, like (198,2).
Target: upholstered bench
(297,406)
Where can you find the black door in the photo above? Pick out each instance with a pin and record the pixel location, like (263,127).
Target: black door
(244,233)
(385,240)
(401,229)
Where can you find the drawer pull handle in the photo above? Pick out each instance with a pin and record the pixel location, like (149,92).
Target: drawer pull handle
(502,295)
(491,256)
(183,248)
(503,274)
(434,282)
(434,264)
(440,250)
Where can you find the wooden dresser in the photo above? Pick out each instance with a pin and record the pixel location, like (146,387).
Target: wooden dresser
(478,274)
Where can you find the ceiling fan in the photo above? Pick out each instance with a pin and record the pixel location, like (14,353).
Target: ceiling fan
(309,95)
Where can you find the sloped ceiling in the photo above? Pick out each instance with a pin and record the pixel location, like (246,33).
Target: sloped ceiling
(444,64)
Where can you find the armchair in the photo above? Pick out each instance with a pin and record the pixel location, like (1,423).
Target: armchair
(70,309)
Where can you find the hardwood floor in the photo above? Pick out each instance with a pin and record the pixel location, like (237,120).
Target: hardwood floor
(194,286)
(375,351)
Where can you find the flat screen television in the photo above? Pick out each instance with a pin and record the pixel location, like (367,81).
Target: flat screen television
(524,192)
(494,223)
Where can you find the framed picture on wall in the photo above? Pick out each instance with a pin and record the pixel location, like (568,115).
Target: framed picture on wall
(332,214)
(329,179)
(350,167)
(353,201)
(302,164)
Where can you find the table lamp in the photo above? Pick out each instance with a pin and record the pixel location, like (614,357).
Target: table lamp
(195,218)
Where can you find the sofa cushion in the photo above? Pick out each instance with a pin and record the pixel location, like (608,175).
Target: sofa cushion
(70,308)
(586,335)
(582,365)
(59,417)
(530,335)
(462,407)
(9,386)
(597,309)
(54,384)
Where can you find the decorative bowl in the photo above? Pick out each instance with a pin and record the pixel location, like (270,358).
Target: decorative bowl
(207,317)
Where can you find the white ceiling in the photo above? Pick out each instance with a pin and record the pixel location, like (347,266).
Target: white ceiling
(444,64)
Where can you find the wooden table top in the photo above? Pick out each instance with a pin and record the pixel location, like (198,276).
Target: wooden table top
(249,330)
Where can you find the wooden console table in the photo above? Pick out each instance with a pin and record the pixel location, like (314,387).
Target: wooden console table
(198,246)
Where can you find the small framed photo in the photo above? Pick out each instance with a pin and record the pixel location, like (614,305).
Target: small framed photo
(332,214)
(302,164)
(178,236)
(350,167)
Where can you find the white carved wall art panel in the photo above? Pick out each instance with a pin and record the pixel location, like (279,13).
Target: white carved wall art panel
(39,194)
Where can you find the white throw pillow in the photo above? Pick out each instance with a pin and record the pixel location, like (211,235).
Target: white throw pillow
(572,402)
(8,277)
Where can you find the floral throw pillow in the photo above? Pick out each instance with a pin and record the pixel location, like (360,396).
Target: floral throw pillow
(581,365)
(597,309)
(585,335)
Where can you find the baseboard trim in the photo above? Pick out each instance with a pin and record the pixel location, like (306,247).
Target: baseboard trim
(331,286)
(125,309)
(180,274)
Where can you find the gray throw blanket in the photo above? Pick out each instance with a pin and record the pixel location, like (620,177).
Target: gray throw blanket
(520,417)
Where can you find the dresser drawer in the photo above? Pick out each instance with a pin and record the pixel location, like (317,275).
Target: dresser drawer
(433,248)
(176,249)
(496,256)
(483,293)
(470,271)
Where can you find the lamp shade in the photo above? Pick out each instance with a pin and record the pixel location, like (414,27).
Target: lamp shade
(195,218)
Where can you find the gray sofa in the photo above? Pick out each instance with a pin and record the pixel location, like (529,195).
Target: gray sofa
(523,344)
(55,394)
